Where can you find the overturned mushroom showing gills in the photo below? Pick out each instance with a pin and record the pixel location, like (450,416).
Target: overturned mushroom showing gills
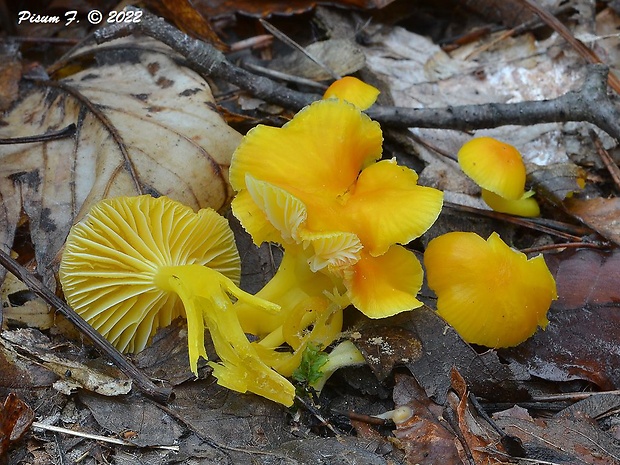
(136,263)
(490,293)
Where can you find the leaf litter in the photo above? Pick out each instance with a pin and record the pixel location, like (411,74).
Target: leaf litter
(144,124)
(129,90)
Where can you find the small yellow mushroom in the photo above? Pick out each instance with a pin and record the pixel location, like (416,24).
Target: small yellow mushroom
(354,91)
(499,170)
(490,293)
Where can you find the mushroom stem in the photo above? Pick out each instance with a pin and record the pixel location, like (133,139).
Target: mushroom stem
(204,290)
(293,283)
(311,312)
(206,296)
(343,355)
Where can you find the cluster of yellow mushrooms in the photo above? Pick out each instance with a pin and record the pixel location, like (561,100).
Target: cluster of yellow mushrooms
(319,188)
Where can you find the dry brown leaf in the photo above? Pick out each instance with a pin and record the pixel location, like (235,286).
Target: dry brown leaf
(216,8)
(477,436)
(599,213)
(72,374)
(187,18)
(425,437)
(145,124)
(429,348)
(15,418)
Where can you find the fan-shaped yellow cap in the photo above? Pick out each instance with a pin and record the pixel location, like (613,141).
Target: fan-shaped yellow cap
(494,166)
(491,294)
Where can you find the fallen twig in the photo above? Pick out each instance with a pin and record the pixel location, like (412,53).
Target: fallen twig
(142,382)
(96,437)
(207,60)
(590,103)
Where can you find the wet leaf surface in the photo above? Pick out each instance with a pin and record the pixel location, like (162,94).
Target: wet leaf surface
(432,350)
(561,440)
(581,340)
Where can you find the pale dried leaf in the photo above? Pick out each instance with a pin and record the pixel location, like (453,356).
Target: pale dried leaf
(514,69)
(340,55)
(145,124)
(72,374)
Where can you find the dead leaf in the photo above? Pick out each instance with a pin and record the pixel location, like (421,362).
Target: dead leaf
(555,181)
(560,440)
(22,307)
(188,19)
(385,347)
(340,55)
(599,213)
(582,340)
(145,124)
(72,374)
(434,349)
(218,8)
(166,357)
(20,372)
(425,438)
(594,406)
(480,439)
(15,418)
(151,425)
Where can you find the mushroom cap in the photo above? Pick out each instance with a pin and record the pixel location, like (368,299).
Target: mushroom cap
(490,293)
(526,206)
(111,258)
(494,166)
(354,91)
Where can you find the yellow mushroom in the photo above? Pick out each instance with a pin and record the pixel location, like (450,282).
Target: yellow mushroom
(354,91)
(499,170)
(526,206)
(316,184)
(136,263)
(490,293)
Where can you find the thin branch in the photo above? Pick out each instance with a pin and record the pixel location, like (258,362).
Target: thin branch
(207,60)
(96,437)
(607,160)
(590,103)
(142,382)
